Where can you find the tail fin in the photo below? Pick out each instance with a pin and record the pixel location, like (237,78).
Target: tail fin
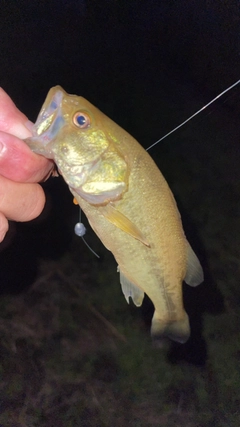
(178,330)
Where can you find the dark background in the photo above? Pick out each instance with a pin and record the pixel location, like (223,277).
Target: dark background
(101,49)
(149,65)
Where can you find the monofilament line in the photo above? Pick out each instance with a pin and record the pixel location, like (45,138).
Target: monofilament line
(195,114)
(80,230)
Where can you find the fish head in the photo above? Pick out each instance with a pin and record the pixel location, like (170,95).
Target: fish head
(71,131)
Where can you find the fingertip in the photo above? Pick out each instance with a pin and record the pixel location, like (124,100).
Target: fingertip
(21,202)
(37,203)
(19,163)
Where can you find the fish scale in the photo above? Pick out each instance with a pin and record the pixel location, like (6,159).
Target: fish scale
(128,204)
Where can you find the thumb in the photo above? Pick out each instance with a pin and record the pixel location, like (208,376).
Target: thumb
(20,201)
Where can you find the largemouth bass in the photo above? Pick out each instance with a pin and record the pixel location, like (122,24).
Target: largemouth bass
(127,202)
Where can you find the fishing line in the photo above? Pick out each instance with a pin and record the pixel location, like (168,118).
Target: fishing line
(80,230)
(195,114)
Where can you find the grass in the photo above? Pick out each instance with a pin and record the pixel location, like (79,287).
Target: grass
(68,360)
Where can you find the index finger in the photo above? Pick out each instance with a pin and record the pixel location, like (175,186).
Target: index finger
(17,161)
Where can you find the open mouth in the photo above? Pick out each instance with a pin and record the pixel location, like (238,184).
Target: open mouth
(50,119)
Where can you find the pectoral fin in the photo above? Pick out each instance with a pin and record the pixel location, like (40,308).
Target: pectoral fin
(122,222)
(131,290)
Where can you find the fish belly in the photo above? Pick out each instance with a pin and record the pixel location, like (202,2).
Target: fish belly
(157,270)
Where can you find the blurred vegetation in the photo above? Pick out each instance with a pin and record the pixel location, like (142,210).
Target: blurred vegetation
(73,353)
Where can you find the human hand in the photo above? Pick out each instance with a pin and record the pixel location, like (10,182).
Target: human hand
(21,198)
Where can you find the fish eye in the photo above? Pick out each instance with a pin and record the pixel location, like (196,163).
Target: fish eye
(81,120)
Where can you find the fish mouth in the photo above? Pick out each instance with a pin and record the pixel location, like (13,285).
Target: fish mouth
(49,123)
(50,119)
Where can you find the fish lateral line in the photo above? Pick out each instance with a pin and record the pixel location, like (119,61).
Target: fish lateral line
(195,114)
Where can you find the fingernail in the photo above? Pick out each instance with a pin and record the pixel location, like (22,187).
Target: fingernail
(29,125)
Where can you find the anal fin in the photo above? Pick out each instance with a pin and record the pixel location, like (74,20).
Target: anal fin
(131,290)
(194,275)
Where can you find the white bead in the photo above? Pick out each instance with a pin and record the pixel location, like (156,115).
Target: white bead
(80,229)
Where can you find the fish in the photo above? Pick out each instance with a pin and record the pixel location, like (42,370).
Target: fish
(127,202)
